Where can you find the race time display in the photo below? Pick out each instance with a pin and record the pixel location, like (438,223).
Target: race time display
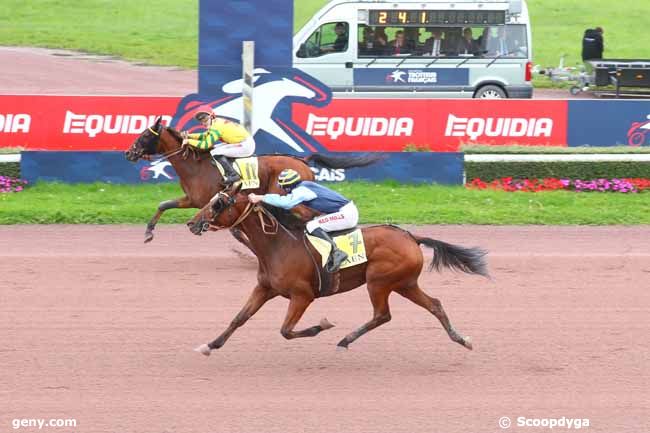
(435,18)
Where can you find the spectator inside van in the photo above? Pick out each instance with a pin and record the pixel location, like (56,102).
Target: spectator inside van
(435,45)
(399,46)
(467,44)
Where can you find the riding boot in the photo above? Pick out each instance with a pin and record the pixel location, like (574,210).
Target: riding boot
(230,176)
(337,257)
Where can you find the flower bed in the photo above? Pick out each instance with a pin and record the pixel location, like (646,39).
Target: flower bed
(9,184)
(553,184)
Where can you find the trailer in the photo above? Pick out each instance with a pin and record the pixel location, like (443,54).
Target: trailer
(619,73)
(623,73)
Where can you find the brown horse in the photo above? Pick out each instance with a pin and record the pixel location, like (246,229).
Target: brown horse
(200,180)
(287,269)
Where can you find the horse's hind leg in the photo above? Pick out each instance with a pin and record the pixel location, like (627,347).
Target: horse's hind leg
(297,307)
(258,298)
(179,203)
(434,306)
(381,315)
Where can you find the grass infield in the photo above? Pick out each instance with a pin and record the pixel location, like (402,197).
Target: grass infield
(166,32)
(378,203)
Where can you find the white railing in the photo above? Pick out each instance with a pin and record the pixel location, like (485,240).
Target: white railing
(570,157)
(12,157)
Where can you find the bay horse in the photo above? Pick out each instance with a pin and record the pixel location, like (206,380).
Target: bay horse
(200,180)
(286,268)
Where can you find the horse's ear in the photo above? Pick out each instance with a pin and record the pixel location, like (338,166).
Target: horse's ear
(158,121)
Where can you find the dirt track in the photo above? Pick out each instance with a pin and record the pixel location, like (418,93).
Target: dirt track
(41,71)
(73,73)
(99,327)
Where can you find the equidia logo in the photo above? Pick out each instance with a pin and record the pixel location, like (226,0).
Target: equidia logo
(273,96)
(638,132)
(95,124)
(15,122)
(498,127)
(334,127)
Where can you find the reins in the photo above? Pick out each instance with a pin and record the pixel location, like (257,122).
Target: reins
(269,228)
(184,150)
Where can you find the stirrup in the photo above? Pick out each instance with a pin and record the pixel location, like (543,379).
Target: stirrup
(335,261)
(229,180)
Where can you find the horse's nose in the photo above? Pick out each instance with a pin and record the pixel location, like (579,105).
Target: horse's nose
(195,228)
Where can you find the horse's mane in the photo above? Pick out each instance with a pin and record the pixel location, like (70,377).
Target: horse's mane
(174,133)
(286,218)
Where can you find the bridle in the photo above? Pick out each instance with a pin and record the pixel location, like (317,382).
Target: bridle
(151,147)
(269,228)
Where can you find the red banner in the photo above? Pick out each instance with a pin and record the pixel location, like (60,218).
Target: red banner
(438,125)
(78,122)
(113,122)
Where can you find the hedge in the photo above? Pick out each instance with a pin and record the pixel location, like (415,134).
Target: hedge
(489,171)
(10,169)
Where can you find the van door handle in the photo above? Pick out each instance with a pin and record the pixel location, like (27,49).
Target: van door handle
(348,65)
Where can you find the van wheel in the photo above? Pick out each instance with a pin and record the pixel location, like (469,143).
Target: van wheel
(490,92)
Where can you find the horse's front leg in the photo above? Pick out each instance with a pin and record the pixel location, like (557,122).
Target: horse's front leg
(179,203)
(258,298)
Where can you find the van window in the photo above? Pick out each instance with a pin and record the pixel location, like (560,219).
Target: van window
(327,39)
(487,42)
(506,41)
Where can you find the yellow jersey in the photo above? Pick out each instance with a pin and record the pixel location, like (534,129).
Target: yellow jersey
(221,130)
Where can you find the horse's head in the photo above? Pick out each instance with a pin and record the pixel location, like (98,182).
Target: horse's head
(147,143)
(222,211)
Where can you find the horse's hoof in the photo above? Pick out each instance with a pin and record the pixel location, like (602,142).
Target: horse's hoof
(148,237)
(467,342)
(204,349)
(341,348)
(325,324)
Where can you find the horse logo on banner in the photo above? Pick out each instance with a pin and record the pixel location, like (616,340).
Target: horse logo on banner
(275,93)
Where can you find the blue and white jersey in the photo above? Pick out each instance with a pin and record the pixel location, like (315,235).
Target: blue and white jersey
(310,194)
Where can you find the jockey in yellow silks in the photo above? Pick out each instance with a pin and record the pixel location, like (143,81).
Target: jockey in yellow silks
(224,138)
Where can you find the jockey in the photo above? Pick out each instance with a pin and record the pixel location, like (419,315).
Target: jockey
(340,213)
(225,138)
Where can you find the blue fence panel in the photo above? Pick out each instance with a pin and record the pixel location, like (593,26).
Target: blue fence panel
(82,167)
(609,123)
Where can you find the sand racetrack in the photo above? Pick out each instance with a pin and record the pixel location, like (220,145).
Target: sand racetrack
(75,73)
(99,327)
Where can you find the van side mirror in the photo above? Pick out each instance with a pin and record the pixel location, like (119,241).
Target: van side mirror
(302,51)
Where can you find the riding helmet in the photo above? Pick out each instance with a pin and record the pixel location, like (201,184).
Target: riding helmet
(288,177)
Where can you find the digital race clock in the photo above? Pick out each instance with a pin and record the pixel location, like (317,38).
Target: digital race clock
(435,18)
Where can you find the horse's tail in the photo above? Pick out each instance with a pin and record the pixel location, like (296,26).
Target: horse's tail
(331,161)
(468,260)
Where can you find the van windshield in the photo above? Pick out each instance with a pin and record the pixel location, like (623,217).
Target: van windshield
(487,42)
(328,38)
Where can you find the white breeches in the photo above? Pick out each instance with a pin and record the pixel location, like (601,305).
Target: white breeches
(346,218)
(237,150)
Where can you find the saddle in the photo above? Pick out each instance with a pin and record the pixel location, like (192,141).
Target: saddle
(248,169)
(348,240)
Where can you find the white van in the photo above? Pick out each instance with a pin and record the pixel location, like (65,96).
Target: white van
(428,49)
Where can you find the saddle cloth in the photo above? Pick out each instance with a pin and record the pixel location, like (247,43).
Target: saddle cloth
(351,242)
(248,169)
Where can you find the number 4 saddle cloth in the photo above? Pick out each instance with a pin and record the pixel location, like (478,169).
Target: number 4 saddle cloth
(351,242)
(248,169)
